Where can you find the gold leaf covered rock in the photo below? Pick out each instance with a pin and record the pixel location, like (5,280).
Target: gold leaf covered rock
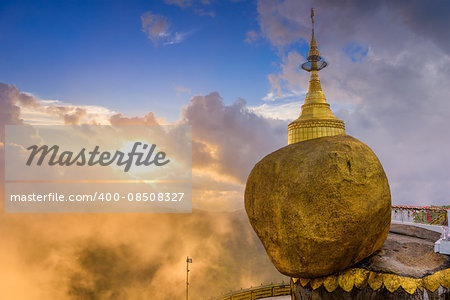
(319,205)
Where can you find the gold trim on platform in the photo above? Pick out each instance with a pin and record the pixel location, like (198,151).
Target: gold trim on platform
(360,278)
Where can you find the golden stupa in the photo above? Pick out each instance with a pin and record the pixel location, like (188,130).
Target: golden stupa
(316,118)
(321,203)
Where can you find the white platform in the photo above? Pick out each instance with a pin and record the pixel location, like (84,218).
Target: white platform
(426,226)
(442,246)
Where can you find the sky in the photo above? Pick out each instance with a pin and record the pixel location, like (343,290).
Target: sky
(133,56)
(186,60)
(230,69)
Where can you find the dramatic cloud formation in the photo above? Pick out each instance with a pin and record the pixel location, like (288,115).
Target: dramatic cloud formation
(227,140)
(130,256)
(101,256)
(230,138)
(387,74)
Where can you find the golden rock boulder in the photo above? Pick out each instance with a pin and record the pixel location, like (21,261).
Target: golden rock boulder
(319,205)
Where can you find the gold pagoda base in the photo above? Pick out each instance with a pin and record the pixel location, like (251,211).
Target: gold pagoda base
(311,129)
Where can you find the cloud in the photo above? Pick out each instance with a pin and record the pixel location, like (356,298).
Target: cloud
(203,12)
(231,137)
(286,111)
(107,256)
(60,113)
(158,30)
(105,271)
(155,26)
(181,90)
(197,6)
(71,116)
(251,36)
(278,23)
(120,119)
(10,97)
(289,83)
(130,256)
(227,139)
(16,105)
(180,3)
(187,3)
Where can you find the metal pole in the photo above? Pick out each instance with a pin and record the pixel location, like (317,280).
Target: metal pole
(187,276)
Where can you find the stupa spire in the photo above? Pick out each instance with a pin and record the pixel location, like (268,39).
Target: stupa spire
(316,118)
(313,50)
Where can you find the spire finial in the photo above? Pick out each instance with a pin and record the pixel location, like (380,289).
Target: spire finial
(315,62)
(316,118)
